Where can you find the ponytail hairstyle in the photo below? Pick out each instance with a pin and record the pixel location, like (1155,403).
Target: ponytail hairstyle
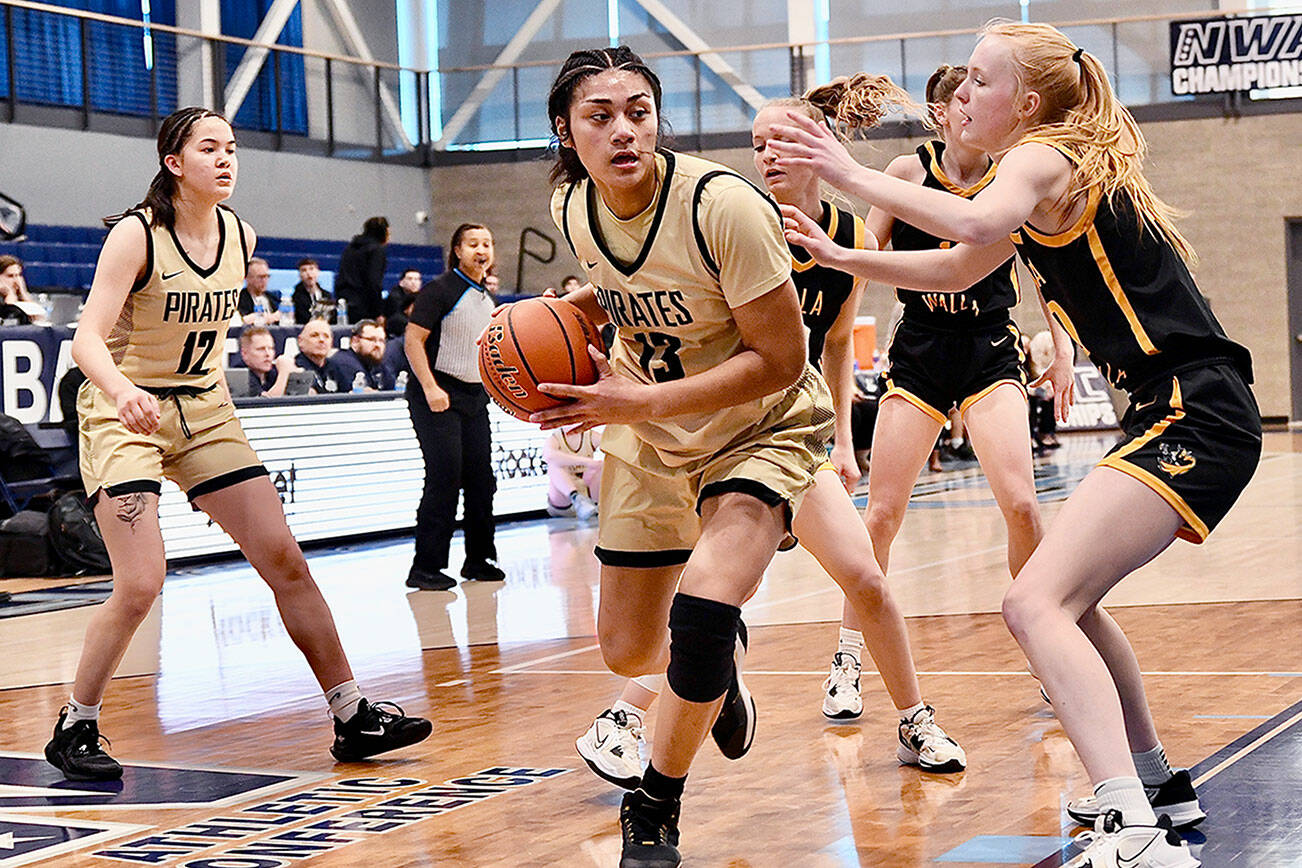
(1080,113)
(940,90)
(577,68)
(172,136)
(453,260)
(858,103)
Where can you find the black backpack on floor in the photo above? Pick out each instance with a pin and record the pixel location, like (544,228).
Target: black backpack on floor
(25,546)
(75,536)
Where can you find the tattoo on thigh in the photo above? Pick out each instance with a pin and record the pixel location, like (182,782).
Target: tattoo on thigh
(131,507)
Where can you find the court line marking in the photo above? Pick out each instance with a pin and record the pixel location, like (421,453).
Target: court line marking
(935,672)
(833,587)
(1245,750)
(519,667)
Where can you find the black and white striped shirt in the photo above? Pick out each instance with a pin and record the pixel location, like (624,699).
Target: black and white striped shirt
(456,311)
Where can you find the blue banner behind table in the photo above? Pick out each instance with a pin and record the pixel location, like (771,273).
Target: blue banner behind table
(34,358)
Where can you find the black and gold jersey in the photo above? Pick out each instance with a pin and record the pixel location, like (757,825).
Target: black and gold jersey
(1122,291)
(824,291)
(987,300)
(172,328)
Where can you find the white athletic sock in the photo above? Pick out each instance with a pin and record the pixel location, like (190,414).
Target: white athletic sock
(850,642)
(80,711)
(344,699)
(651,683)
(1127,796)
(1152,766)
(630,709)
(906,714)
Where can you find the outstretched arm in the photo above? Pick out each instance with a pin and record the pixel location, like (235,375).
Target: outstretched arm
(951,270)
(1028,175)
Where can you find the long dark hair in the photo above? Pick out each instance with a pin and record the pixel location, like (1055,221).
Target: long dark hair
(578,67)
(172,136)
(453,261)
(376,228)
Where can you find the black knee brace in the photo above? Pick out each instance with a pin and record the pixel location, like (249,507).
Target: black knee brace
(702,637)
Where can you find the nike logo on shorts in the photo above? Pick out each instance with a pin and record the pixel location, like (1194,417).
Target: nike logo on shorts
(1000,341)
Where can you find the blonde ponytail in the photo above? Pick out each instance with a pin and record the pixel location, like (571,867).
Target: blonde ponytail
(1080,114)
(859,102)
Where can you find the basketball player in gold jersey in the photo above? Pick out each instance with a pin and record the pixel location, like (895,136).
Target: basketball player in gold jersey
(715,424)
(155,404)
(827,523)
(1071,198)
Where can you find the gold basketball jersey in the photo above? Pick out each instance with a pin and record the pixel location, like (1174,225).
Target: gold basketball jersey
(172,328)
(668,278)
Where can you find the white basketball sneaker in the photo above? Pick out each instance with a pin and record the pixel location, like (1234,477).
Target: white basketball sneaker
(925,745)
(612,748)
(1175,798)
(842,701)
(1112,845)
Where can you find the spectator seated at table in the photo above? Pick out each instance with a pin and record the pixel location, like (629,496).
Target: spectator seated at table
(395,364)
(310,300)
(268,373)
(254,291)
(314,344)
(362,359)
(14,297)
(397,304)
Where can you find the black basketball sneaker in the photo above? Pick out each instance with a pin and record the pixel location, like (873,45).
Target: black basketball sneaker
(649,828)
(75,751)
(734,728)
(376,729)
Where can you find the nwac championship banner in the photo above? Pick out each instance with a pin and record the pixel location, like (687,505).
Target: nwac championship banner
(1229,55)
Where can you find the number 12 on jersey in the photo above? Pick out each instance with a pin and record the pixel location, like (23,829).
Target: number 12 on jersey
(201,342)
(659,356)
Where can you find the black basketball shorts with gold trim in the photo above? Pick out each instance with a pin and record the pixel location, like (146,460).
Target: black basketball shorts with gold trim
(650,512)
(1194,437)
(936,369)
(199,445)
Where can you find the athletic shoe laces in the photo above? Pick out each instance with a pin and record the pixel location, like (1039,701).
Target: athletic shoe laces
(628,732)
(83,742)
(844,674)
(648,823)
(379,714)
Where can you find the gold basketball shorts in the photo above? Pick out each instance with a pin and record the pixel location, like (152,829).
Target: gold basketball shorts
(650,512)
(199,445)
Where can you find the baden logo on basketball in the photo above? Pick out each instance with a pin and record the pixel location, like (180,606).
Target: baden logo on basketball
(1175,460)
(503,372)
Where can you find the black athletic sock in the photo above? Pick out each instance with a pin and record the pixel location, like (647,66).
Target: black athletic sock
(660,787)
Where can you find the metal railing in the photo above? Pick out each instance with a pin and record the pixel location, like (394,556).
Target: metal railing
(316,102)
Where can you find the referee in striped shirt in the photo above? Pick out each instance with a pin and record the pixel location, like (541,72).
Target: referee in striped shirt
(449,411)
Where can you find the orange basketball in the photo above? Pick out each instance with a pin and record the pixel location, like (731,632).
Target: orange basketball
(537,340)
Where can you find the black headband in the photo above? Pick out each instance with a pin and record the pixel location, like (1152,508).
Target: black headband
(1076,55)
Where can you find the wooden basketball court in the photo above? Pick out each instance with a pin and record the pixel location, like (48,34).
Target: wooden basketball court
(511,675)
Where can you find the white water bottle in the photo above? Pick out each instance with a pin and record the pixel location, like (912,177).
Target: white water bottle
(359,382)
(286,310)
(400,384)
(341,318)
(260,311)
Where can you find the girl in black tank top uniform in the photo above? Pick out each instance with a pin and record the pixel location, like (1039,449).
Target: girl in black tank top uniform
(951,350)
(1071,197)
